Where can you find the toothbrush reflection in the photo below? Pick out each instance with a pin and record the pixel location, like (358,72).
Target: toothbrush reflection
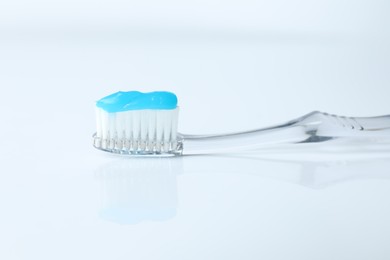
(311,174)
(145,189)
(135,190)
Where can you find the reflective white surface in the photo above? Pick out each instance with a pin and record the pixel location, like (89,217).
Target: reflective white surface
(62,199)
(195,207)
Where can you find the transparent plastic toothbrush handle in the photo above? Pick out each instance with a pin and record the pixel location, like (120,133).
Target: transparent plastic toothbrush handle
(314,127)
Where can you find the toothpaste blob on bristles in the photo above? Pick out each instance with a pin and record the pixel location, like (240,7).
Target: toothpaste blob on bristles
(134,100)
(136,122)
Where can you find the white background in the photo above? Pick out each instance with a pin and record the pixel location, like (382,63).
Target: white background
(234,65)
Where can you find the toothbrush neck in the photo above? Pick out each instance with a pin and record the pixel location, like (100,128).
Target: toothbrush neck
(315,127)
(244,141)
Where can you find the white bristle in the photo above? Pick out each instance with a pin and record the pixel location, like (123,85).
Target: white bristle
(104,124)
(174,122)
(127,118)
(136,128)
(159,129)
(119,124)
(112,125)
(167,129)
(137,131)
(151,128)
(98,122)
(144,125)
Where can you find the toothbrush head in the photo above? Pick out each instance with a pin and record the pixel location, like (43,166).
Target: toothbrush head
(136,123)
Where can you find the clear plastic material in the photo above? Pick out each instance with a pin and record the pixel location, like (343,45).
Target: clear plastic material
(315,127)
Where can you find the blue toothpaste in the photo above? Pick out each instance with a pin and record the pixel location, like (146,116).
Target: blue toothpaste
(135,100)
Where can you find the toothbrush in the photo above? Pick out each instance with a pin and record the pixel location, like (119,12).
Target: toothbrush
(145,124)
